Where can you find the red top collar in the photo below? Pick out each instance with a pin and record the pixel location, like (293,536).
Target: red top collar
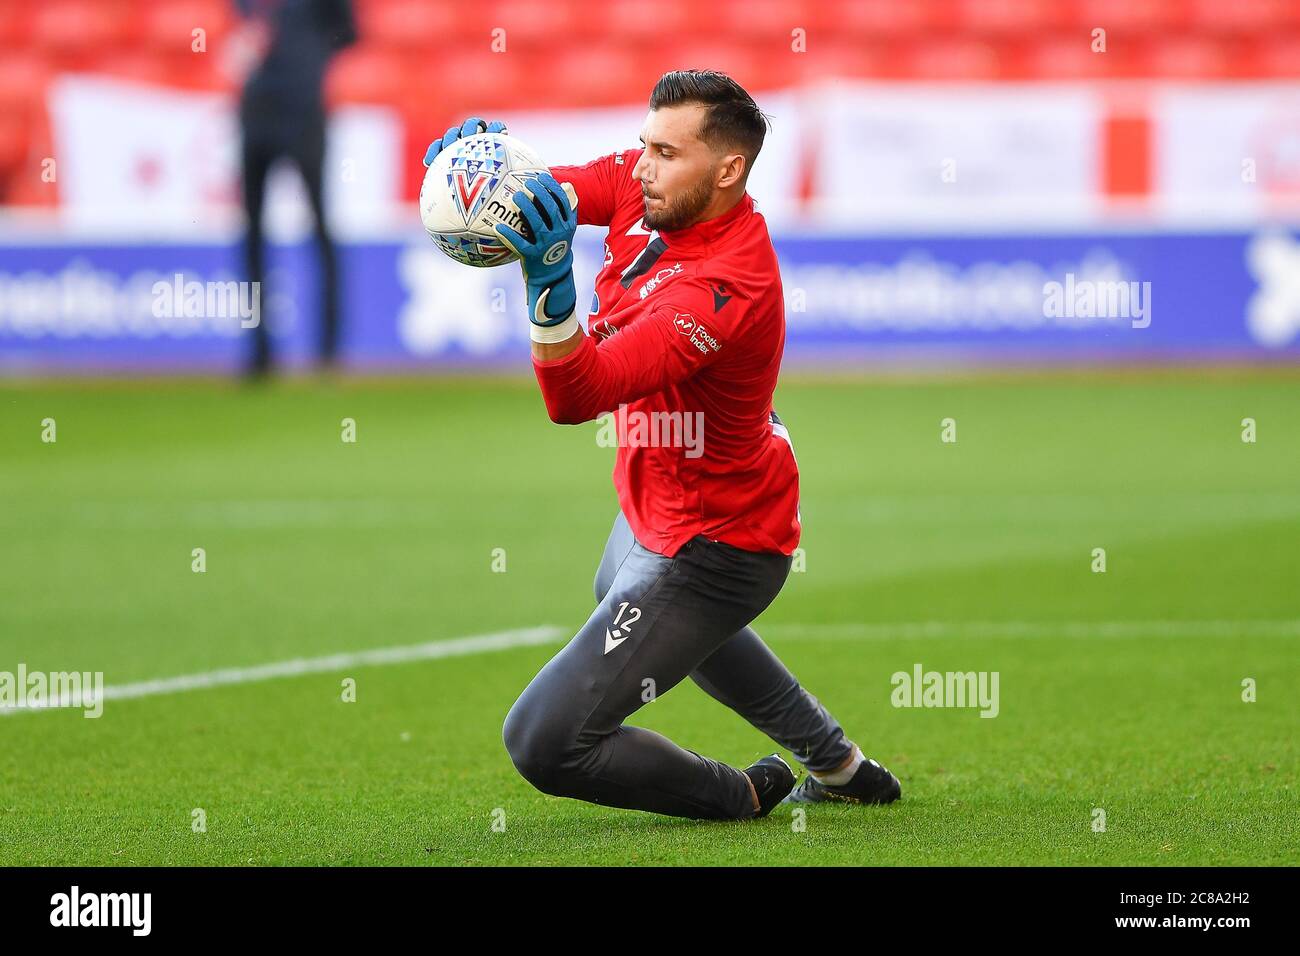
(705,233)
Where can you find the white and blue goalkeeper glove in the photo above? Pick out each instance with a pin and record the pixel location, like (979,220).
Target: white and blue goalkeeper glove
(546,254)
(471,127)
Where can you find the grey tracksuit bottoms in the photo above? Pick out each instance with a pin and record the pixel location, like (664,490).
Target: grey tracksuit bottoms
(660,620)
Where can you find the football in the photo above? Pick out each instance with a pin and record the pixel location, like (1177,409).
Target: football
(468,189)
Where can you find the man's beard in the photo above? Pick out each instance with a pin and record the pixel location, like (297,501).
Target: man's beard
(680,211)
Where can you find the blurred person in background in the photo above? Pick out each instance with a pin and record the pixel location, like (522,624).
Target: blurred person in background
(282,115)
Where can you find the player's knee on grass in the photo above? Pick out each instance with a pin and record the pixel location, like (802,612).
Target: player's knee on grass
(541,747)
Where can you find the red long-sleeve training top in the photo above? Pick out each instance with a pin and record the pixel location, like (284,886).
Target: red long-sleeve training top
(683,345)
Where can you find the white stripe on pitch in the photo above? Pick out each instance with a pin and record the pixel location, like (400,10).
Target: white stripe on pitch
(430,650)
(1065,629)
(505,640)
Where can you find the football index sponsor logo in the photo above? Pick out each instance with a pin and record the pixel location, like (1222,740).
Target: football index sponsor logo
(134,910)
(694,330)
(37,690)
(923,688)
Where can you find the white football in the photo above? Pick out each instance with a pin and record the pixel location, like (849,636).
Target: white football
(468,189)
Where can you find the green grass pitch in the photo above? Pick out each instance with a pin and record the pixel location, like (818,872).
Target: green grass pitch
(1119,691)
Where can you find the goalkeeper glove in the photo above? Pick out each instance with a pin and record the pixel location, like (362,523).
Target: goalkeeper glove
(470,127)
(546,253)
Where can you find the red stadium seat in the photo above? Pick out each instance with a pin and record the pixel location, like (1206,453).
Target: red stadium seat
(601,75)
(1242,16)
(569,53)
(882,19)
(1131,16)
(1030,17)
(77,28)
(1070,56)
(748,67)
(27,185)
(530,22)
(417,24)
(367,74)
(138,66)
(197,71)
(854,59)
(15,17)
(500,80)
(760,20)
(646,23)
(23,79)
(1188,57)
(13,143)
(169,27)
(1270,58)
(953,58)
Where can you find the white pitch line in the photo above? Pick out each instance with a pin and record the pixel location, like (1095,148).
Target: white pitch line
(430,650)
(505,640)
(1065,629)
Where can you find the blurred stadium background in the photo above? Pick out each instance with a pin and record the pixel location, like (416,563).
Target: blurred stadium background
(932,163)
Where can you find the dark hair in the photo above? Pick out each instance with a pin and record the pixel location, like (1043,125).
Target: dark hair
(732,121)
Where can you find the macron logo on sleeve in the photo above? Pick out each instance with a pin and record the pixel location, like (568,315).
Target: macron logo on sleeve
(720,297)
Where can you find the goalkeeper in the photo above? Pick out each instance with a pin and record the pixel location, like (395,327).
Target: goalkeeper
(687,322)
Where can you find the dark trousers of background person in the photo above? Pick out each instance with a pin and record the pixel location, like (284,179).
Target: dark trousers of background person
(306,150)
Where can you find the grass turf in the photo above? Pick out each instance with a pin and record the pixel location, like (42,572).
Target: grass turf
(1119,691)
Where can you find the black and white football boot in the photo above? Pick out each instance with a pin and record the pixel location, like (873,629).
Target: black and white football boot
(871,784)
(773,780)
